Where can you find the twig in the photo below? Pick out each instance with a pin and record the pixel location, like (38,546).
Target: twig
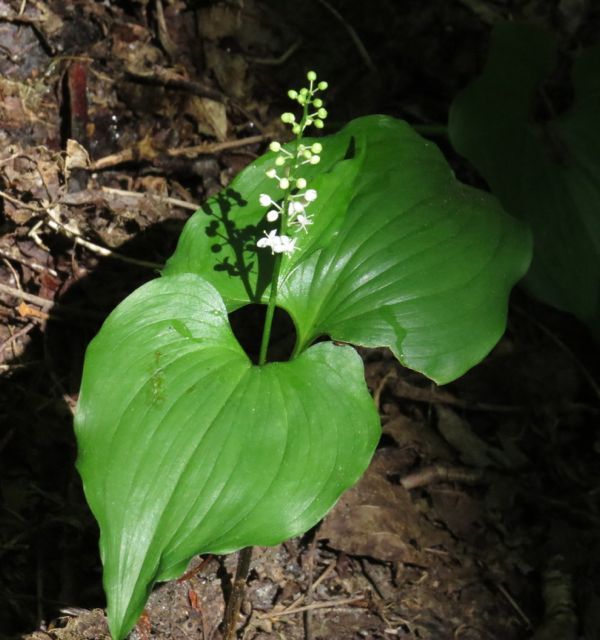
(441,473)
(237,593)
(381,386)
(176,202)
(164,37)
(23,331)
(308,632)
(180,84)
(275,62)
(310,607)
(326,573)
(46,304)
(544,329)
(28,297)
(364,54)
(435,395)
(96,248)
(136,153)
(513,603)
(215,147)
(56,225)
(34,266)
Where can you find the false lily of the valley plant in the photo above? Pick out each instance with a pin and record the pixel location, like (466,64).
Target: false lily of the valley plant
(364,237)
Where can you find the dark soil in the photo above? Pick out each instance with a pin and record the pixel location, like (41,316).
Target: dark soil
(479,517)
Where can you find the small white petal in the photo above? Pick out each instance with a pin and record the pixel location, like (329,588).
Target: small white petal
(295,207)
(303,222)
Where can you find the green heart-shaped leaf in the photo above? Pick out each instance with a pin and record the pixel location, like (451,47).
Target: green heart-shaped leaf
(547,173)
(400,255)
(186,447)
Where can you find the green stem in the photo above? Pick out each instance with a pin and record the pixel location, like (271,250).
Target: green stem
(266,336)
(264,344)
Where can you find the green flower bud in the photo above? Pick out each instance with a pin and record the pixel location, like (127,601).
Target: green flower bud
(307,153)
(292,94)
(318,102)
(302,100)
(316,147)
(296,128)
(301,183)
(304,91)
(312,76)
(279,161)
(309,121)
(322,85)
(271,173)
(319,124)
(322,113)
(284,183)
(315,160)
(275,146)
(288,117)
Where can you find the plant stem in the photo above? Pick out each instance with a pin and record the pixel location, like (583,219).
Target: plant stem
(266,336)
(264,345)
(237,593)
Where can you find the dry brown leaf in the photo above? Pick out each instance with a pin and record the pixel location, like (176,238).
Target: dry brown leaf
(378,518)
(210,115)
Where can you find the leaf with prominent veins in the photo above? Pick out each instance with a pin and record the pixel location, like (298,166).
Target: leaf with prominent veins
(186,447)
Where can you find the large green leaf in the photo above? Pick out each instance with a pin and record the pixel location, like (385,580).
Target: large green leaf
(400,255)
(547,173)
(186,447)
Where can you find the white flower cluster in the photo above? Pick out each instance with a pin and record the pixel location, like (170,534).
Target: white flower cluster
(292,213)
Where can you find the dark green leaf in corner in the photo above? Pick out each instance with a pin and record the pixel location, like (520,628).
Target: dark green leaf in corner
(545,172)
(186,447)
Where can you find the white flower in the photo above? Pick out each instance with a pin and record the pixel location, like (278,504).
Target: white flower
(269,239)
(272,215)
(310,195)
(265,200)
(303,221)
(294,208)
(284,244)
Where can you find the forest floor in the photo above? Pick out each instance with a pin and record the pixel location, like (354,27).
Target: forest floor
(479,517)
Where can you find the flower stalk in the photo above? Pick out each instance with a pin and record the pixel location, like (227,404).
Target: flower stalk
(290,211)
